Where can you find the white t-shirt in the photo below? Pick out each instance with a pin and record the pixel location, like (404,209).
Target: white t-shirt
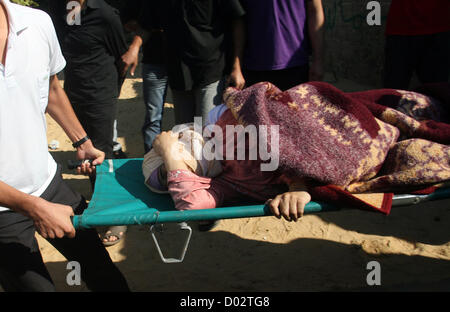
(33,55)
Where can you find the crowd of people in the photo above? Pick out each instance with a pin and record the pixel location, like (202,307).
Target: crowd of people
(198,48)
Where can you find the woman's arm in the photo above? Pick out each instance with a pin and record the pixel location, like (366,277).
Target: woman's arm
(188,190)
(168,147)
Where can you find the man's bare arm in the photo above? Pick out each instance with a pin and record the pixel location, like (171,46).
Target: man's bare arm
(60,109)
(131,57)
(316,19)
(236,78)
(51,220)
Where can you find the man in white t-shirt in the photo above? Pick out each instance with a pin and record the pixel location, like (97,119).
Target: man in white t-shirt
(33,195)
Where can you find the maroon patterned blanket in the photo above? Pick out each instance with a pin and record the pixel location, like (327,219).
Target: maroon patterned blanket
(373,141)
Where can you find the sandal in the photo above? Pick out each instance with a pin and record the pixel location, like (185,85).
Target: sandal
(114,231)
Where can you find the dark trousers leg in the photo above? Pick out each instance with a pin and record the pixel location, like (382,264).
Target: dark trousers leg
(184,102)
(434,63)
(401,57)
(98,121)
(21,266)
(427,55)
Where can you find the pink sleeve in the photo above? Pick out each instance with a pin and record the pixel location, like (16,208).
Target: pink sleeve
(190,191)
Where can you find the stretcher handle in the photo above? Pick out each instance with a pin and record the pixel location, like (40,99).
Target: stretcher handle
(183,227)
(74,164)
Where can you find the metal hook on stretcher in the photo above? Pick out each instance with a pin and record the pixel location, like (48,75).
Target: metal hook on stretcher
(183,227)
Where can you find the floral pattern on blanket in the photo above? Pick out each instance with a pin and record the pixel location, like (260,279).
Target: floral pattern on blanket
(370,141)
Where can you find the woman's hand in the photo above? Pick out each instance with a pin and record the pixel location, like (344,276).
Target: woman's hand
(289,205)
(166,144)
(169,148)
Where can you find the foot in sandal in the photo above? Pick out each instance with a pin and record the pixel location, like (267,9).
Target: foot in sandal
(113,235)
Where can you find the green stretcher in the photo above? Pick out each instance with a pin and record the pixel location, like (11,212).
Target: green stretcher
(121,198)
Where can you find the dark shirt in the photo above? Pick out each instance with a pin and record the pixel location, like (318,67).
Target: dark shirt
(154,47)
(129,9)
(195,34)
(92,50)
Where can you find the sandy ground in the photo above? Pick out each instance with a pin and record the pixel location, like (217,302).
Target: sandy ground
(321,252)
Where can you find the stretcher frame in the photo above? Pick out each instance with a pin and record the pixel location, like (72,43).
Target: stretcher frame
(121,198)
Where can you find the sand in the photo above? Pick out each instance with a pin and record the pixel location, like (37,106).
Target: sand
(322,252)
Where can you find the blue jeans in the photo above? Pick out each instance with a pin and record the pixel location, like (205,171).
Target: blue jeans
(154,78)
(197,102)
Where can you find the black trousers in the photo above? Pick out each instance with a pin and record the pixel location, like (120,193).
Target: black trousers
(97,120)
(21,264)
(284,79)
(427,55)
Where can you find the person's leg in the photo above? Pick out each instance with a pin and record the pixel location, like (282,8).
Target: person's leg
(401,55)
(283,79)
(98,121)
(254,76)
(434,65)
(184,106)
(207,97)
(290,77)
(21,264)
(97,269)
(155,88)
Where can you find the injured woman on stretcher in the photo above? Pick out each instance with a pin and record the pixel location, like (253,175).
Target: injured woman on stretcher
(310,142)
